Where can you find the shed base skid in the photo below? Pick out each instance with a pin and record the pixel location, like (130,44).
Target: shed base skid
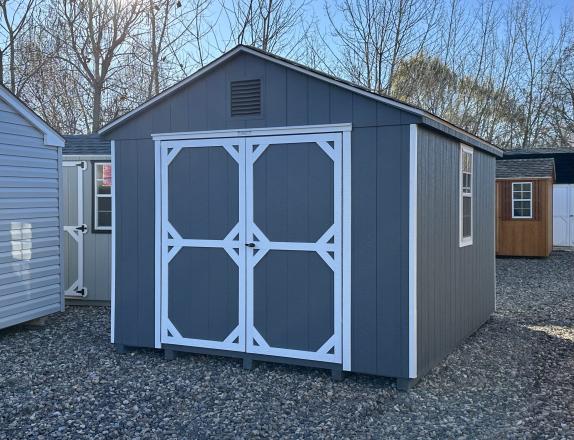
(87,302)
(406,384)
(249,359)
(121,348)
(169,354)
(38,322)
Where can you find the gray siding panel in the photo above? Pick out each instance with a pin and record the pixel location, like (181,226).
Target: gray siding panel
(380,250)
(455,285)
(379,182)
(135,245)
(30,264)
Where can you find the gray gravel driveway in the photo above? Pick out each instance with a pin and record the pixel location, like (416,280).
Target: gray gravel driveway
(512,379)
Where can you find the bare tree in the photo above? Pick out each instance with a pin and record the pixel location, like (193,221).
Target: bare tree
(376,35)
(170,27)
(272,25)
(14,18)
(93,34)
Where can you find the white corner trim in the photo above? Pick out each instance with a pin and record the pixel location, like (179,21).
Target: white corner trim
(248,132)
(51,137)
(113,259)
(413,196)
(347,358)
(157,244)
(462,241)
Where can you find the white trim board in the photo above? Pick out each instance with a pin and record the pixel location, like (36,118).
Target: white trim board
(51,137)
(249,132)
(86,156)
(157,243)
(113,259)
(301,69)
(346,232)
(413,201)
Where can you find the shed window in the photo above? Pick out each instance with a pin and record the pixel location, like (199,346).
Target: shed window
(102,196)
(522,200)
(466,190)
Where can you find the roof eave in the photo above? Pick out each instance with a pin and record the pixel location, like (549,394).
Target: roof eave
(51,137)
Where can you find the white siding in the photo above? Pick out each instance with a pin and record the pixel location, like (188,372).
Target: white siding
(30,263)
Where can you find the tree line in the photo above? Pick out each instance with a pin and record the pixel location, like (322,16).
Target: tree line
(501,70)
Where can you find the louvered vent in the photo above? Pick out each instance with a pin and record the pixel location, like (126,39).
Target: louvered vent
(246,97)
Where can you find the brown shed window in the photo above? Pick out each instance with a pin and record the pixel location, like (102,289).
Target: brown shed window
(521,199)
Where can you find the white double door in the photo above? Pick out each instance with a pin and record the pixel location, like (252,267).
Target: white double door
(563,217)
(251,244)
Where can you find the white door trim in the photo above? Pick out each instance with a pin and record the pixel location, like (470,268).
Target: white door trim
(76,232)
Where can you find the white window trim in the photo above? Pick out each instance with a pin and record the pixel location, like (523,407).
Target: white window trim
(531,200)
(96,195)
(465,241)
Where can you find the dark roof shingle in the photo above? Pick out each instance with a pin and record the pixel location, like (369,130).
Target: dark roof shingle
(517,168)
(86,144)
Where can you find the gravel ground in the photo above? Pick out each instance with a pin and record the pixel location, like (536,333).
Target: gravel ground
(512,379)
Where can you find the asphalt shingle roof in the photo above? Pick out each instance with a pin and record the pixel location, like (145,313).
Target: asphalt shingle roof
(516,168)
(86,144)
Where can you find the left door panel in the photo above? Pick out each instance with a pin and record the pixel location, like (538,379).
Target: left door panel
(202,250)
(74,229)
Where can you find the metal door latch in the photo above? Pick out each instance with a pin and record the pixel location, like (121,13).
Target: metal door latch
(82,228)
(251,245)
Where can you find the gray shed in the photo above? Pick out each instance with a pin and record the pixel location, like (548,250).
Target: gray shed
(267,211)
(87,209)
(30,214)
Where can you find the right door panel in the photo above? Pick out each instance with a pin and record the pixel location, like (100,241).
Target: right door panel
(293,233)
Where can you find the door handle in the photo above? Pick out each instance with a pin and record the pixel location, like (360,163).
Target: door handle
(82,228)
(251,245)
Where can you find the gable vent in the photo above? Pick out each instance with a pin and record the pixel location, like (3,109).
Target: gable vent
(246,97)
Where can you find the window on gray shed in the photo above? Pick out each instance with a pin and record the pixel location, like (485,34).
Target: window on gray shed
(465,191)
(102,196)
(246,97)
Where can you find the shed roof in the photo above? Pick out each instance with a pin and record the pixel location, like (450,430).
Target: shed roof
(563,160)
(427,118)
(51,136)
(536,151)
(89,144)
(519,168)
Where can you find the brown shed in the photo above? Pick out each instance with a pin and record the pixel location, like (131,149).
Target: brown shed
(524,207)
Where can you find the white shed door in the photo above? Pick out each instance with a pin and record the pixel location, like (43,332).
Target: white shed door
(563,224)
(74,229)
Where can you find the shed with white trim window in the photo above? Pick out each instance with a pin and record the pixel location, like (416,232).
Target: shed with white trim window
(524,207)
(30,214)
(267,211)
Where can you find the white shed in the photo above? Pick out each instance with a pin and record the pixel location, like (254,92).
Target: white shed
(30,214)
